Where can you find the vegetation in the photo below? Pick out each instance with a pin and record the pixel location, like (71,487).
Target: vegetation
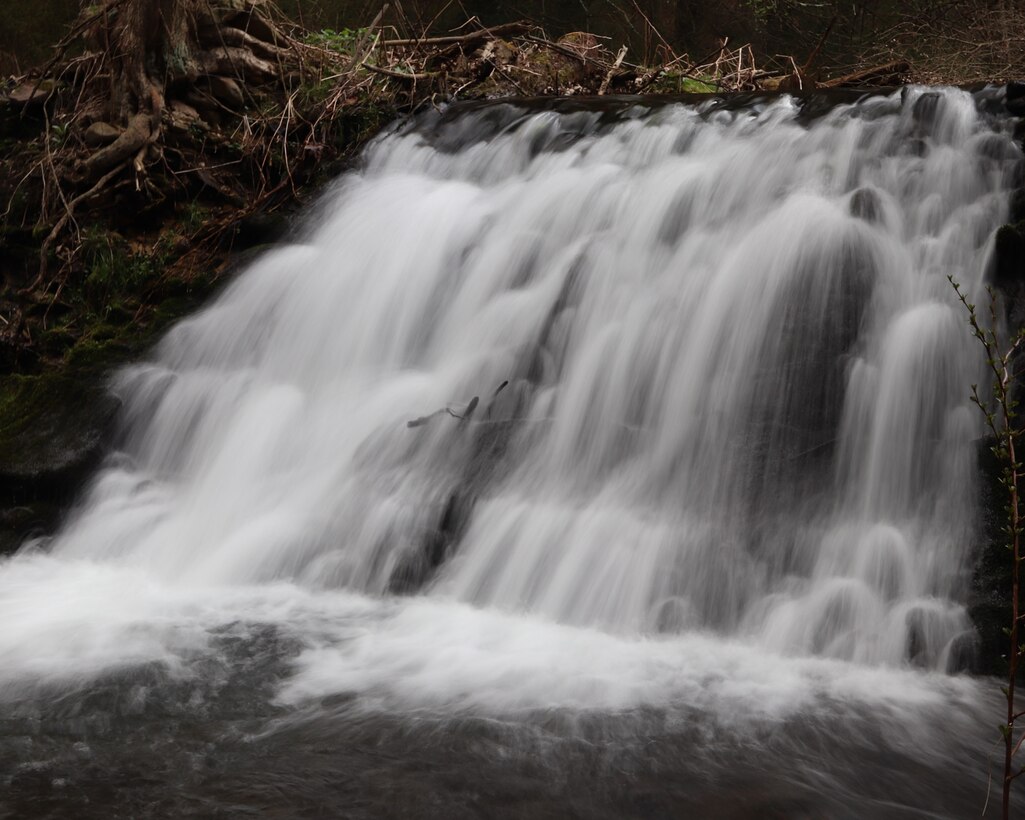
(164,136)
(132,162)
(1000,412)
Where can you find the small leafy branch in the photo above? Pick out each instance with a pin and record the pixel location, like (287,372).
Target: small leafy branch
(1000,411)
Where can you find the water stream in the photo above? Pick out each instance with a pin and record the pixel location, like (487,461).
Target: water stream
(595,461)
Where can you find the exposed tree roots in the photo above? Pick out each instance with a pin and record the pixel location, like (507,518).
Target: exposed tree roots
(152,107)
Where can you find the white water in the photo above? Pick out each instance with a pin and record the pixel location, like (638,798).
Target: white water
(733,468)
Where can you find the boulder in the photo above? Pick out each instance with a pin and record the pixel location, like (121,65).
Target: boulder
(101,133)
(225,90)
(53,433)
(1015,99)
(32,92)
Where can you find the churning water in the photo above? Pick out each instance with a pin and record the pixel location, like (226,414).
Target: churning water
(599,461)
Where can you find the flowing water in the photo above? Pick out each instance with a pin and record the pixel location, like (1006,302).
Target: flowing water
(705,554)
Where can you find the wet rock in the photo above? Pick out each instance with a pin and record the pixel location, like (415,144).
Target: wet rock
(53,431)
(1008,264)
(101,133)
(962,652)
(1015,99)
(20,523)
(865,205)
(925,108)
(256,230)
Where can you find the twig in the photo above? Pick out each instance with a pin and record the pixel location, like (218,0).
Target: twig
(399,75)
(507,29)
(651,25)
(45,249)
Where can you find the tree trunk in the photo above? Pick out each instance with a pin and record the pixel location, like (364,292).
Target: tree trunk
(151,45)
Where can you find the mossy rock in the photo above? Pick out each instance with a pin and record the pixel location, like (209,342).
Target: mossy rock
(53,429)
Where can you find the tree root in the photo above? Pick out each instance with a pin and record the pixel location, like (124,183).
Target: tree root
(135,137)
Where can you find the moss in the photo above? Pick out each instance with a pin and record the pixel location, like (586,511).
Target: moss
(98,355)
(677,84)
(690,85)
(49,424)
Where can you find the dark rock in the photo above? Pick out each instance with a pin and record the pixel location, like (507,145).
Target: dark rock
(989,601)
(1015,99)
(865,205)
(53,433)
(254,230)
(53,430)
(1007,268)
(963,652)
(924,109)
(18,524)
(1018,206)
(417,566)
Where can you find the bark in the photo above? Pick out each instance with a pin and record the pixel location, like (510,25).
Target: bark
(152,43)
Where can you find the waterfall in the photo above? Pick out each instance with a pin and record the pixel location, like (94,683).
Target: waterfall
(735,410)
(605,436)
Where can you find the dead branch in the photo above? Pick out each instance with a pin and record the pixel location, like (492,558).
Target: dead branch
(615,67)
(493,33)
(68,214)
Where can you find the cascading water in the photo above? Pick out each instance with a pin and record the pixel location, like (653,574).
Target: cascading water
(731,473)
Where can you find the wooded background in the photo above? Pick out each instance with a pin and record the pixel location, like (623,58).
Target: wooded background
(949,40)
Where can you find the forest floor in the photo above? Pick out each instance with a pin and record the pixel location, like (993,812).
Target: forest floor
(109,227)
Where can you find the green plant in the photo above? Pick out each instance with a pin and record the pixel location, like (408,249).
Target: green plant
(58,134)
(1000,411)
(344,41)
(194,216)
(113,271)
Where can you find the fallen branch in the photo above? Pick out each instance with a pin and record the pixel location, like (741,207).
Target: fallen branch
(615,67)
(886,74)
(68,214)
(399,75)
(506,30)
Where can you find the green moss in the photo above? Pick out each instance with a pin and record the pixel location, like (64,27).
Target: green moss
(55,340)
(47,419)
(676,84)
(690,85)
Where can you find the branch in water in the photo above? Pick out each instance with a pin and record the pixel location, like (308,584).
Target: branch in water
(465,415)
